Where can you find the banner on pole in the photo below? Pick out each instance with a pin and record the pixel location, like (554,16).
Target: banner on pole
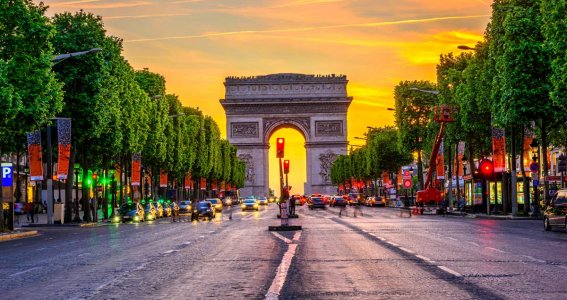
(162,178)
(203,183)
(215,185)
(440,163)
(64,147)
(34,155)
(188,181)
(498,150)
(459,159)
(136,169)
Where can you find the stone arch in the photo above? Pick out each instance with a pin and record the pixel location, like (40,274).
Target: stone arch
(315,105)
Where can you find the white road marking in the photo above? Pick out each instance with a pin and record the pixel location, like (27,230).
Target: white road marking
(473,243)
(86,253)
(393,244)
(563,267)
(406,250)
(169,251)
(201,236)
(186,243)
(297,235)
(281,237)
(452,238)
(23,272)
(425,258)
(454,273)
(534,259)
(494,249)
(281,273)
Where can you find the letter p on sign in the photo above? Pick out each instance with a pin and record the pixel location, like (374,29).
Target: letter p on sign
(6,174)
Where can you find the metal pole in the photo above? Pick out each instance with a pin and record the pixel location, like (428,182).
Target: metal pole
(49,179)
(77,217)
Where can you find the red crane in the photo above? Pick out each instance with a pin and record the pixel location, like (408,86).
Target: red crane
(430,194)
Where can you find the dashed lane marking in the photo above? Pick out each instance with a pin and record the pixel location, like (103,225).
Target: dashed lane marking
(281,273)
(169,251)
(23,272)
(494,249)
(452,238)
(425,259)
(281,237)
(473,243)
(406,250)
(454,273)
(534,259)
(563,267)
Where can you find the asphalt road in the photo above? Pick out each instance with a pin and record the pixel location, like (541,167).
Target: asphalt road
(381,255)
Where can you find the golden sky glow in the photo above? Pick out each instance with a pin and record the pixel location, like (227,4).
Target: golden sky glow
(195,44)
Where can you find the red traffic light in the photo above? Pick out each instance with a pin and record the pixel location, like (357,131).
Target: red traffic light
(286,166)
(280,142)
(95,176)
(486,167)
(407,183)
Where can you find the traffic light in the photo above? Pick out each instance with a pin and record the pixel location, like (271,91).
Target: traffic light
(486,168)
(280,147)
(286,166)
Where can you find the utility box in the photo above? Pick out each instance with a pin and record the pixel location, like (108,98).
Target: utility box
(59,213)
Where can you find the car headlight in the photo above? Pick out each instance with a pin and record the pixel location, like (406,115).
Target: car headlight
(136,218)
(116,219)
(243,206)
(255,204)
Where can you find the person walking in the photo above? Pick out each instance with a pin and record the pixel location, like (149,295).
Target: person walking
(343,209)
(28,209)
(357,207)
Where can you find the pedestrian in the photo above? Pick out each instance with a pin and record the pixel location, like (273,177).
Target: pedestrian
(357,204)
(28,209)
(292,206)
(343,209)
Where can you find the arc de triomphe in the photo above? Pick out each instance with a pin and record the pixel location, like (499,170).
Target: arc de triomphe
(258,106)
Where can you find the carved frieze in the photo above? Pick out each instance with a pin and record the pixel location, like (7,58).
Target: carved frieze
(327,160)
(244,129)
(288,108)
(329,128)
(249,161)
(304,122)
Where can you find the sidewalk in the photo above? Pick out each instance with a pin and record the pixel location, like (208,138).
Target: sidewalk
(41,221)
(491,217)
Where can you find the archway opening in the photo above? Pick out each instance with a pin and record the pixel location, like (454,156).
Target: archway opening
(296,153)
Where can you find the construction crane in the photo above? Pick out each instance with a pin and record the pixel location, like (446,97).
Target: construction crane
(430,194)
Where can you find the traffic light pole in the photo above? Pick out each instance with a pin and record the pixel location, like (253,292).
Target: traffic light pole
(281,180)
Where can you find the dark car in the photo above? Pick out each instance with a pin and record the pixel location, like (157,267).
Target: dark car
(185,207)
(316,202)
(132,211)
(204,209)
(338,201)
(249,204)
(555,213)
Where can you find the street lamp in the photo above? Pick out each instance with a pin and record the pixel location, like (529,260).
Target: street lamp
(77,168)
(360,138)
(62,57)
(434,92)
(465,47)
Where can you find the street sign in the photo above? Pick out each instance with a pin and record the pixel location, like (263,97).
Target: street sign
(535,176)
(7,175)
(534,167)
(535,182)
(407,183)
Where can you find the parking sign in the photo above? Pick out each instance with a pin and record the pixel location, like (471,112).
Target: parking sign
(7,175)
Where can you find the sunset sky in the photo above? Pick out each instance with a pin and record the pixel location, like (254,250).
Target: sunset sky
(195,44)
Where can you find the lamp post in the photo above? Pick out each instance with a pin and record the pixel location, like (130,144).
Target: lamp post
(535,179)
(62,57)
(77,168)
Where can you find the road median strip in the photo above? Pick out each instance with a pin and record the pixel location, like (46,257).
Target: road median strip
(17,235)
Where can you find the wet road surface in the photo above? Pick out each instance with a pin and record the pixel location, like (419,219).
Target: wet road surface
(381,255)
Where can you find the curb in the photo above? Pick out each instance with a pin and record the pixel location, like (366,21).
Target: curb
(19,235)
(63,225)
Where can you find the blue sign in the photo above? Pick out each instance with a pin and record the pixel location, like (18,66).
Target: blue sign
(534,167)
(7,174)
(535,182)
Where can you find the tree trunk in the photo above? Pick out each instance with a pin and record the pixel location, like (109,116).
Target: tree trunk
(420,170)
(86,193)
(513,190)
(544,160)
(525,180)
(69,188)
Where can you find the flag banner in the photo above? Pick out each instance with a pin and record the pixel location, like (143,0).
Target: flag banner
(222,186)
(498,150)
(64,147)
(229,187)
(527,149)
(162,178)
(399,177)
(214,186)
(203,183)
(188,181)
(34,155)
(440,162)
(341,187)
(459,158)
(136,169)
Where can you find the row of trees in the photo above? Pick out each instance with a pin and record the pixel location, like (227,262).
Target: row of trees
(382,153)
(116,111)
(515,77)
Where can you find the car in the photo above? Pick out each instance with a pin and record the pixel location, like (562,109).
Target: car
(316,202)
(132,211)
(174,209)
(250,204)
(150,212)
(185,207)
(338,201)
(375,201)
(204,209)
(217,203)
(263,201)
(272,199)
(167,211)
(555,213)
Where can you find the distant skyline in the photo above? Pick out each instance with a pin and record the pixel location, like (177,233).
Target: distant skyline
(195,44)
